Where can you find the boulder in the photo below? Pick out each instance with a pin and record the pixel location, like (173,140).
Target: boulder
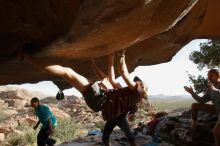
(59,113)
(2,137)
(117,139)
(10,112)
(16,103)
(16,93)
(3,104)
(176,129)
(5,130)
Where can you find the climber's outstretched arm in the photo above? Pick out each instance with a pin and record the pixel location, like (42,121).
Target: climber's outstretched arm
(111,72)
(99,73)
(78,81)
(124,71)
(105,84)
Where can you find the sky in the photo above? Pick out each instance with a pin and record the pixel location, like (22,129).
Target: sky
(166,78)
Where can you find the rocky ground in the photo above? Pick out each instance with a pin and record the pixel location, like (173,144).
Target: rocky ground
(171,129)
(117,139)
(16,111)
(176,129)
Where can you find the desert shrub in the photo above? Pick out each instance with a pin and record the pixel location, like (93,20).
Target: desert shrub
(3,116)
(15,140)
(26,137)
(30,137)
(66,130)
(100,124)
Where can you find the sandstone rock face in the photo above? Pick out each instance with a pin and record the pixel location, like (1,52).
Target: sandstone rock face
(175,128)
(117,139)
(59,113)
(15,107)
(2,137)
(15,93)
(18,119)
(72,31)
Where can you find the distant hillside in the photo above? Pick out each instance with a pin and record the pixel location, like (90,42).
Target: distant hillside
(166,102)
(9,91)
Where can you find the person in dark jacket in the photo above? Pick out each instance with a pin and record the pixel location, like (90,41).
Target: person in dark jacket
(120,118)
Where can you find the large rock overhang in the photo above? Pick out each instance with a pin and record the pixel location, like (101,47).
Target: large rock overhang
(71,32)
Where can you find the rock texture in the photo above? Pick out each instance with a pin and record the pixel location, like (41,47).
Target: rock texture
(14,116)
(72,31)
(175,128)
(117,139)
(15,109)
(2,137)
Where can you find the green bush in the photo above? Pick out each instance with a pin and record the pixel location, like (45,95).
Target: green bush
(100,124)
(66,130)
(3,116)
(27,138)
(30,137)
(15,140)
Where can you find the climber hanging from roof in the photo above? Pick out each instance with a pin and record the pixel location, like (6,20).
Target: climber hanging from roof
(114,103)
